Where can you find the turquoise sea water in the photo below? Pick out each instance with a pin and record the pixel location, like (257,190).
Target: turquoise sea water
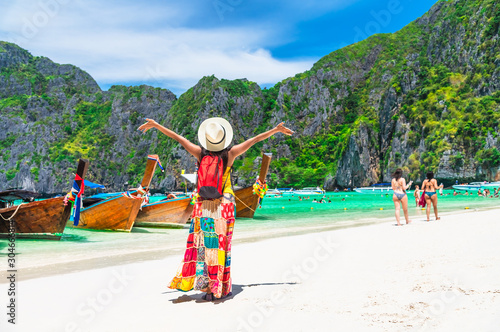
(278,216)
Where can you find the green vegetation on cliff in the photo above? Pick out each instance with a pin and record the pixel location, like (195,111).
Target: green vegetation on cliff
(424,98)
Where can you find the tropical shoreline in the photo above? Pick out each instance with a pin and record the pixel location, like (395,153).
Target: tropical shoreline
(72,264)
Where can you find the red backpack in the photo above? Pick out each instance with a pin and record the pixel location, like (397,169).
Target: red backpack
(210,173)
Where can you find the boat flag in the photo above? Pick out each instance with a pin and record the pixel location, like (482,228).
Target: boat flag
(155,157)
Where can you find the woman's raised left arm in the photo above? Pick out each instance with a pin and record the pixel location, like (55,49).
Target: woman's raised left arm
(239,149)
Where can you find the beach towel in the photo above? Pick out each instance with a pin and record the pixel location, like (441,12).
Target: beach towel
(421,202)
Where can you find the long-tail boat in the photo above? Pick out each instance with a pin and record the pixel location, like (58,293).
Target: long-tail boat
(168,213)
(118,213)
(246,200)
(44,219)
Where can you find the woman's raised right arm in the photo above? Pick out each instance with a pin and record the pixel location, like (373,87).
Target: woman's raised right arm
(193,149)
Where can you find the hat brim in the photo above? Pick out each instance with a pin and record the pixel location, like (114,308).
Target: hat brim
(215,147)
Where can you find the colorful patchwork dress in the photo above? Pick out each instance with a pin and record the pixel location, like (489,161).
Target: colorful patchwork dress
(207,260)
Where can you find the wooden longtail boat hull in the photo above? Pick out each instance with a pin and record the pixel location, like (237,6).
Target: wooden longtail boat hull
(45,218)
(246,201)
(165,213)
(40,219)
(117,213)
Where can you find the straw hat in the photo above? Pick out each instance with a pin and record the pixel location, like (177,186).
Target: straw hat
(215,134)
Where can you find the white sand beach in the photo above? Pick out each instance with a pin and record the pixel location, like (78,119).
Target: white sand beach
(437,276)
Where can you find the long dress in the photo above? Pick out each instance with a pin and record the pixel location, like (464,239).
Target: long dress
(207,259)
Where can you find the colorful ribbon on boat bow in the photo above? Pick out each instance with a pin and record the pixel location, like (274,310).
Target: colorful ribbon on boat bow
(75,198)
(194,197)
(142,193)
(259,188)
(155,157)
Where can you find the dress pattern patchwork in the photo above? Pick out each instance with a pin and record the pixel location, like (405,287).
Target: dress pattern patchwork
(207,259)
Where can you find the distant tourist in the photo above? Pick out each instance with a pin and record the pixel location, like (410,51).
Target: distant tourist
(416,194)
(479,193)
(430,186)
(206,263)
(399,197)
(455,193)
(466,193)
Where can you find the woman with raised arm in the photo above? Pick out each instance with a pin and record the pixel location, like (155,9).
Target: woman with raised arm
(430,186)
(399,198)
(207,260)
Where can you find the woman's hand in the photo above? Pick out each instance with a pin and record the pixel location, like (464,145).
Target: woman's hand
(282,129)
(193,149)
(150,124)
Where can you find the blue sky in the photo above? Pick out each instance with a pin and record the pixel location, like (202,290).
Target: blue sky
(172,44)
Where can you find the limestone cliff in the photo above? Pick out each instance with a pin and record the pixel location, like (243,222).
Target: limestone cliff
(424,98)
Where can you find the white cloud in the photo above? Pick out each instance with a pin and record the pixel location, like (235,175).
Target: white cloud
(124,43)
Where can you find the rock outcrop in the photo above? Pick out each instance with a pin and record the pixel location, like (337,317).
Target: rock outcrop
(424,98)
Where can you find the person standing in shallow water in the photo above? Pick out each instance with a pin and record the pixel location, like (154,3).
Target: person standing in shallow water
(207,260)
(399,198)
(416,194)
(430,186)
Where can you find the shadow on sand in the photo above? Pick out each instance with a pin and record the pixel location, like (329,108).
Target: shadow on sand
(237,289)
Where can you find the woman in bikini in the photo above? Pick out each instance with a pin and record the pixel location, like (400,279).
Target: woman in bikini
(430,186)
(399,198)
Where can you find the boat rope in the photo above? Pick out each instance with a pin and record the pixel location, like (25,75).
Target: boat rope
(244,203)
(12,216)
